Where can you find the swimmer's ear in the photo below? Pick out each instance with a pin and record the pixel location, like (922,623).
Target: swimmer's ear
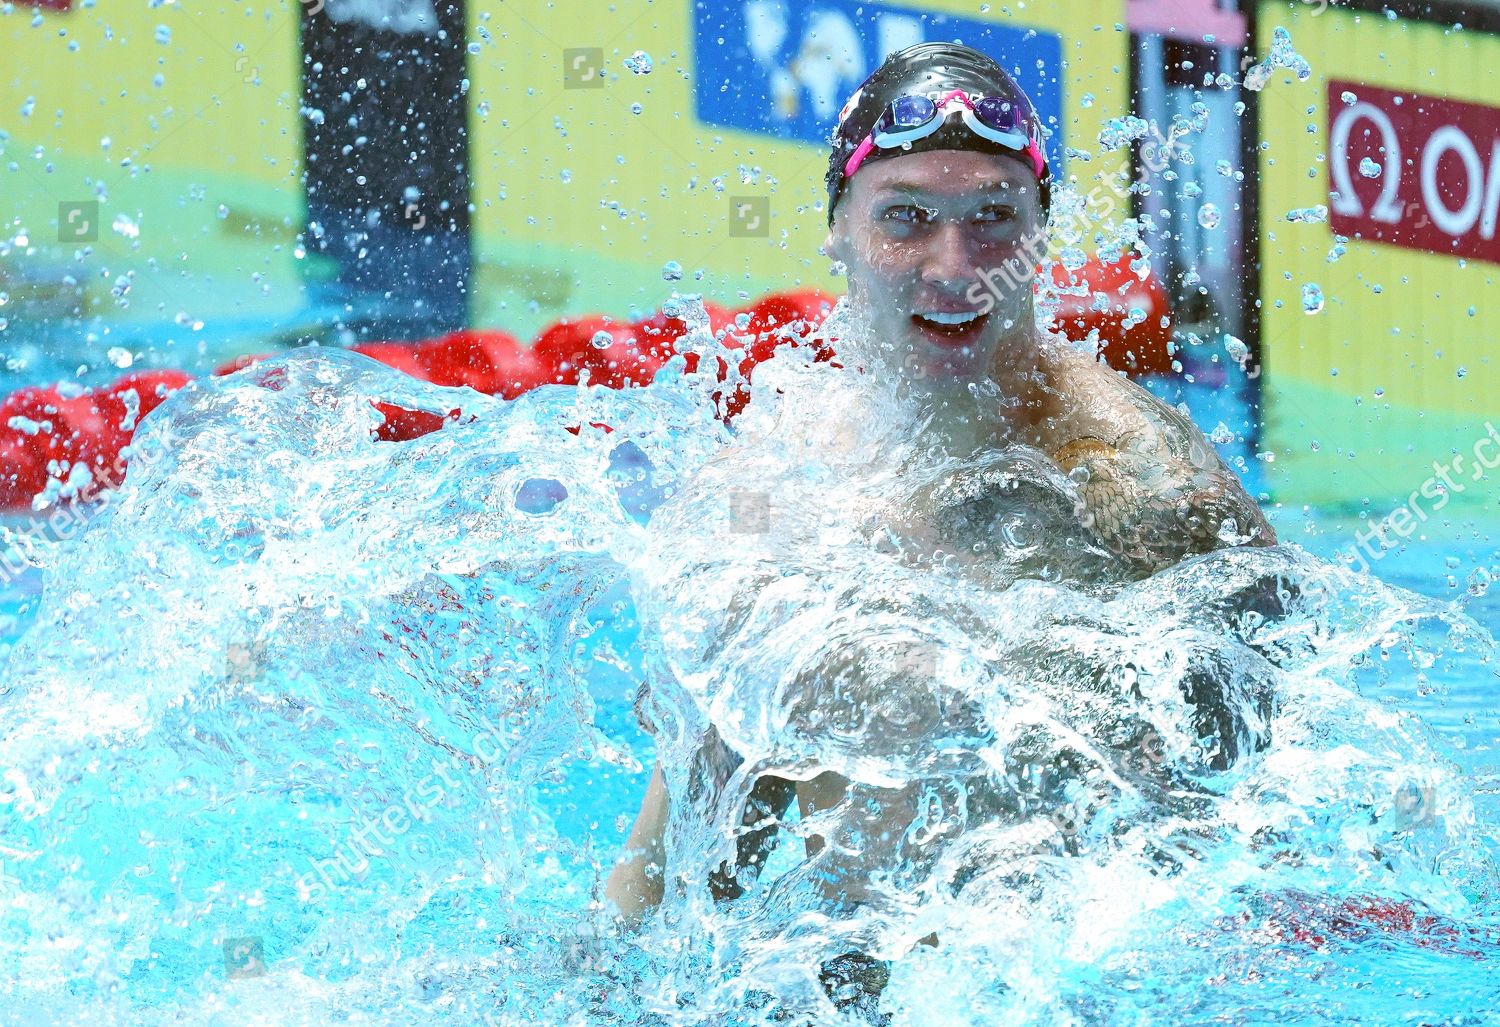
(833,242)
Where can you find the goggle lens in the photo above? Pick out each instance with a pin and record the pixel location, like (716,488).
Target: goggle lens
(1001,114)
(907,112)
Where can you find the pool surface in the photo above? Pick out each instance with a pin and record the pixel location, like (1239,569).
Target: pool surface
(307,728)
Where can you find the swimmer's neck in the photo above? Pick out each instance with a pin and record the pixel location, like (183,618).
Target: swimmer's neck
(1011,406)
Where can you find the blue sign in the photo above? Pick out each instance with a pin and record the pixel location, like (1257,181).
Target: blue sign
(784,68)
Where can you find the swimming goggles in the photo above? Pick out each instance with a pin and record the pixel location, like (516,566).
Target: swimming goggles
(1006,120)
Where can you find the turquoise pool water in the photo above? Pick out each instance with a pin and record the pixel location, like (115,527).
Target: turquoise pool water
(310,729)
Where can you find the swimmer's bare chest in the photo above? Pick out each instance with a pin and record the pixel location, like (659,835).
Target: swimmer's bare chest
(1150,488)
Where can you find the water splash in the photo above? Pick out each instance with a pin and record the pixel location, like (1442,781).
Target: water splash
(342,712)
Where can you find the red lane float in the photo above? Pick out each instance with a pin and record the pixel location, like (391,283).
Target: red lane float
(1098,297)
(612,352)
(43,435)
(1318,922)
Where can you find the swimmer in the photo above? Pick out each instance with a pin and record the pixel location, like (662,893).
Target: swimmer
(938,193)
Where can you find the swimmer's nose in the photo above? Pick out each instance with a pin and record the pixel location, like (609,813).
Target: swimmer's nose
(949,266)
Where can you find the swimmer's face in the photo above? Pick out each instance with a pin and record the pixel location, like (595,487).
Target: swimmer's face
(942,236)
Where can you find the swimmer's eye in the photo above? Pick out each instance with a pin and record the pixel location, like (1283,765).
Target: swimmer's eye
(997,213)
(908,214)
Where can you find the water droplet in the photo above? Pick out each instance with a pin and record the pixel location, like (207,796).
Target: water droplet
(639,62)
(1312,298)
(1379,392)
(1370,168)
(120,357)
(636,108)
(1462,371)
(1308,215)
(1224,168)
(163,35)
(125,227)
(1479,582)
(223,212)
(1333,372)
(475,48)
(1087,100)
(1349,98)
(671,271)
(1208,215)
(602,340)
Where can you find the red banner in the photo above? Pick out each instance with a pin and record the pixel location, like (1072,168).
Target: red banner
(1415,171)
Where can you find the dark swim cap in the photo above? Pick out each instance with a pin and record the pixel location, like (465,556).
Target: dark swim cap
(927,68)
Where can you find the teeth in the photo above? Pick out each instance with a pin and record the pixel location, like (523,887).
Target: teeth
(951,319)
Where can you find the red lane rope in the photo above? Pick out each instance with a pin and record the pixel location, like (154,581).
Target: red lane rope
(46,440)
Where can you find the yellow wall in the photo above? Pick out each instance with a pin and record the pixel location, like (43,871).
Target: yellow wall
(1411,337)
(222,128)
(555,238)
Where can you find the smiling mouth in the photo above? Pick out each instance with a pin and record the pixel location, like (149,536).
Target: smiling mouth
(955,329)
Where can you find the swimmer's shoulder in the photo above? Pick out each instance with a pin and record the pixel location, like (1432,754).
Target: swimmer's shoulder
(1108,408)
(1093,405)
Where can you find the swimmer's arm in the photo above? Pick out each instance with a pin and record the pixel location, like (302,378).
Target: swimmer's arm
(825,792)
(637,882)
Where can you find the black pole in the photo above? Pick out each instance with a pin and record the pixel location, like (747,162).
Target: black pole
(386,165)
